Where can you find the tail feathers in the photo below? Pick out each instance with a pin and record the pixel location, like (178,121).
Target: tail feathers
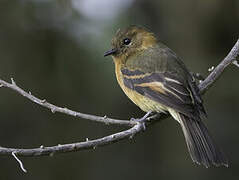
(200,144)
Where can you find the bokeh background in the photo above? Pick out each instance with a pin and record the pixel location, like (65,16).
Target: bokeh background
(54,48)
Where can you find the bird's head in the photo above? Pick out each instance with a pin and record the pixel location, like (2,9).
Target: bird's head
(130,41)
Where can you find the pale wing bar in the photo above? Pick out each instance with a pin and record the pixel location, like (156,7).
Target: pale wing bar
(163,89)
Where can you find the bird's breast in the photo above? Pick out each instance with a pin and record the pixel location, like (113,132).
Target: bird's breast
(143,102)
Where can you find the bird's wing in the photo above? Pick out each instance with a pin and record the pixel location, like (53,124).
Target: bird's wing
(164,88)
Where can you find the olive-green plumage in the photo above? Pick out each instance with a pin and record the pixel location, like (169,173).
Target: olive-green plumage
(156,80)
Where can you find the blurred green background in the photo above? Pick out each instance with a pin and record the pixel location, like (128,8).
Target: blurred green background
(54,48)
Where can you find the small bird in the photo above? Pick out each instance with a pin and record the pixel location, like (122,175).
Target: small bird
(157,81)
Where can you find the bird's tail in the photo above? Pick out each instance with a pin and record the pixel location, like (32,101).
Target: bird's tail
(200,144)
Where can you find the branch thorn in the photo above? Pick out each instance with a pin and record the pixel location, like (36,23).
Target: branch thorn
(13,82)
(235,63)
(211,69)
(43,100)
(53,110)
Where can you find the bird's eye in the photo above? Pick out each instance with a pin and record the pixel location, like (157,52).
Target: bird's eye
(126,41)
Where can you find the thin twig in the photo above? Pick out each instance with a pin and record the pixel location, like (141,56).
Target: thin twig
(19,161)
(136,127)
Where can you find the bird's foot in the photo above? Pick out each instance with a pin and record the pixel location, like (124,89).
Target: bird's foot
(198,76)
(142,119)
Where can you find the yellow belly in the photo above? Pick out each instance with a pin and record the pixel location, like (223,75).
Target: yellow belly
(145,103)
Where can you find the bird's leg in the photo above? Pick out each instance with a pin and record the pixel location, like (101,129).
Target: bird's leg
(198,76)
(142,119)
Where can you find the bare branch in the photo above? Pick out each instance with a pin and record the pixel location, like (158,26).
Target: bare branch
(136,127)
(215,74)
(54,108)
(88,144)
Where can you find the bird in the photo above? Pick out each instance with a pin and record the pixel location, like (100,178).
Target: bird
(157,81)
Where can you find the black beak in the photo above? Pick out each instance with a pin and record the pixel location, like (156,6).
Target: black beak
(110,52)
